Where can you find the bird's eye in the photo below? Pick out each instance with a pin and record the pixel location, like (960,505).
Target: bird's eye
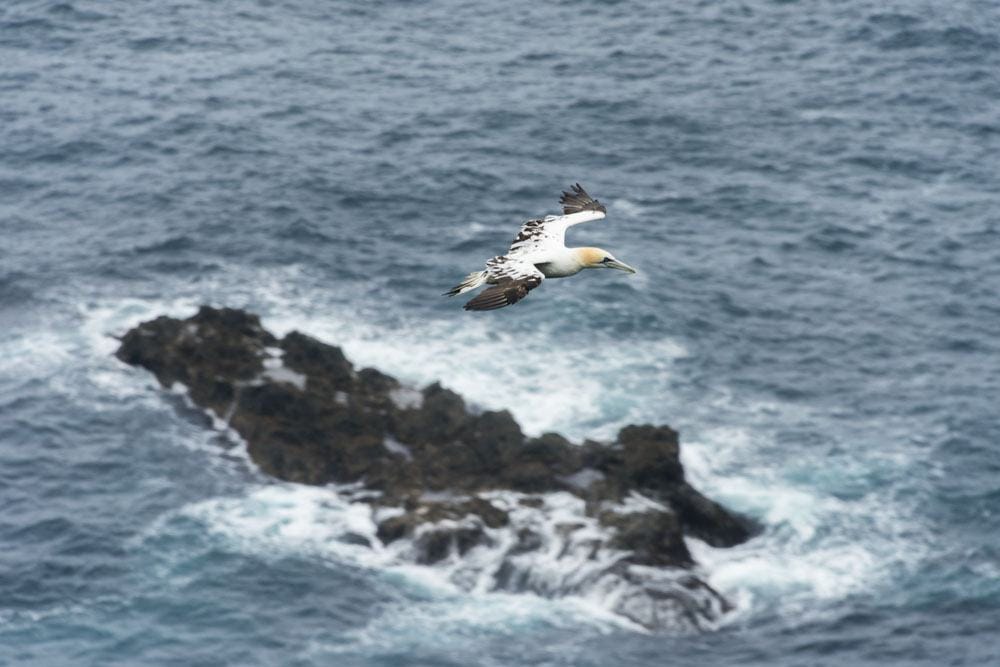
(605,260)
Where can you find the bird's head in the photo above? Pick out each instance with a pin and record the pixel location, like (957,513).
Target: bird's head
(597,258)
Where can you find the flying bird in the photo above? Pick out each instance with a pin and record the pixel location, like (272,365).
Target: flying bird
(538,252)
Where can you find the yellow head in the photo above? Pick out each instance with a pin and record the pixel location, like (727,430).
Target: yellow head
(596,258)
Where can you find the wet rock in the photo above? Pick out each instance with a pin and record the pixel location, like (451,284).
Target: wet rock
(651,456)
(308,416)
(653,537)
(707,520)
(453,511)
(434,543)
(437,530)
(325,363)
(658,601)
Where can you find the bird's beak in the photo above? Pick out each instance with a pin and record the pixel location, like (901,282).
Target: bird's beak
(615,264)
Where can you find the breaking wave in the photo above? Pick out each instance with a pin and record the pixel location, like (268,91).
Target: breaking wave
(814,547)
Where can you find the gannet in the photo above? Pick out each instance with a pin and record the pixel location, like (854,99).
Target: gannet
(538,252)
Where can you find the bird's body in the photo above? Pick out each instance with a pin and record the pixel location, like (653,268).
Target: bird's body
(538,252)
(560,264)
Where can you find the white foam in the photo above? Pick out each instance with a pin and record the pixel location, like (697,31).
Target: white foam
(563,398)
(583,478)
(396,447)
(34,354)
(286,519)
(281,373)
(577,395)
(636,503)
(814,546)
(567,566)
(406,398)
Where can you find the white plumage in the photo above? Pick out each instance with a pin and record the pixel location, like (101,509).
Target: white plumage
(539,251)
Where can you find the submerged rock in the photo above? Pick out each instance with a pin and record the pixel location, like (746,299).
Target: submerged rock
(446,482)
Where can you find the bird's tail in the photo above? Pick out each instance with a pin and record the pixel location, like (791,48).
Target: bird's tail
(471,282)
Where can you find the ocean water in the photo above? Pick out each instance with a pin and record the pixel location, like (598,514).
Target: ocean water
(809,192)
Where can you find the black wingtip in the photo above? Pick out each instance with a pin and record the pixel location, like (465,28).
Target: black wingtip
(506,293)
(488,303)
(577,199)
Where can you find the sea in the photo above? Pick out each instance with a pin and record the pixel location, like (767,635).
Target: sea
(809,191)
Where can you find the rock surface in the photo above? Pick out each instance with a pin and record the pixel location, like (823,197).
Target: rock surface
(449,480)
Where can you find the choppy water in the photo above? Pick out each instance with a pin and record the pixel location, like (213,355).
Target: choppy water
(808,189)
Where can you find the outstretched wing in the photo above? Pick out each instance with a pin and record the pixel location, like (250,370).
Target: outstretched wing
(538,236)
(511,280)
(541,235)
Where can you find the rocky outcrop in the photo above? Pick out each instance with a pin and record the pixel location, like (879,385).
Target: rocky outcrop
(447,480)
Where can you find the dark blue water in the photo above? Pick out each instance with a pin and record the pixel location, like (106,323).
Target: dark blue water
(809,191)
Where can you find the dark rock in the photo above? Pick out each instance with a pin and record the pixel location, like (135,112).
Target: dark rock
(495,438)
(488,512)
(374,382)
(655,538)
(443,414)
(651,456)
(419,513)
(708,520)
(394,528)
(551,452)
(527,541)
(307,416)
(439,529)
(355,538)
(314,359)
